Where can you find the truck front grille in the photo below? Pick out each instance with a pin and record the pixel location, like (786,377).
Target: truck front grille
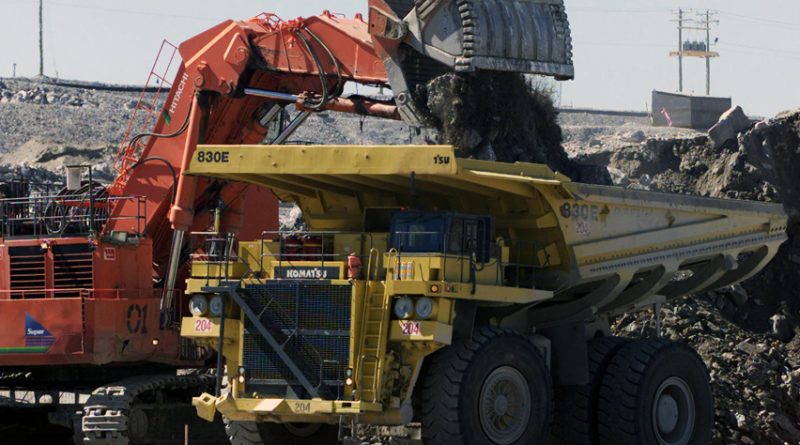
(313,319)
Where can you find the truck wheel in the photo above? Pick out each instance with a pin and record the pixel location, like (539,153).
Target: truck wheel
(492,389)
(252,433)
(656,392)
(243,433)
(576,406)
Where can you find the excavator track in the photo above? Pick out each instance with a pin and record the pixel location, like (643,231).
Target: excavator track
(148,410)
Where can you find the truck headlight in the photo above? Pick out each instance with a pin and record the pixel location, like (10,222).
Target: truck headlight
(425,308)
(198,305)
(404,308)
(216,306)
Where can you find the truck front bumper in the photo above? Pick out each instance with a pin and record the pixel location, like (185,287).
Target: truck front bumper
(282,410)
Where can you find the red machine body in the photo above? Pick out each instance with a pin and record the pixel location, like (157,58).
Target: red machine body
(89,298)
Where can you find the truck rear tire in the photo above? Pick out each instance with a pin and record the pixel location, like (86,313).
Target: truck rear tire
(492,389)
(576,406)
(656,392)
(253,433)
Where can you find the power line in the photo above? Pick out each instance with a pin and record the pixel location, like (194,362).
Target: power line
(744,17)
(761,48)
(129,11)
(760,20)
(639,44)
(754,52)
(619,11)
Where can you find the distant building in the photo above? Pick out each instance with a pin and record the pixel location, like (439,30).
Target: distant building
(687,110)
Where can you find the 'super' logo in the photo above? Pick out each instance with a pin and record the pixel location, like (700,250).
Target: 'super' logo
(36,334)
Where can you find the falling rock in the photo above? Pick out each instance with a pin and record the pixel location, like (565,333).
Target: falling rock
(738,295)
(730,124)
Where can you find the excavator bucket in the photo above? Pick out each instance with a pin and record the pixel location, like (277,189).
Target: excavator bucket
(422,39)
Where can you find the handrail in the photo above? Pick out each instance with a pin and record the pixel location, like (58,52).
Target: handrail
(369,263)
(65,214)
(50,294)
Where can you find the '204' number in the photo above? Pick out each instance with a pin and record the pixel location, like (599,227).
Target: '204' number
(217,157)
(410,328)
(202,325)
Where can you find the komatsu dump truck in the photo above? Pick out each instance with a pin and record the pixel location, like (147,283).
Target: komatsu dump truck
(470,298)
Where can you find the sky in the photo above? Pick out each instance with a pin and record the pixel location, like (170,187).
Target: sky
(621,47)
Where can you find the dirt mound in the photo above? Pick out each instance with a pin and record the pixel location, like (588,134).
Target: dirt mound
(50,156)
(761,164)
(749,335)
(502,117)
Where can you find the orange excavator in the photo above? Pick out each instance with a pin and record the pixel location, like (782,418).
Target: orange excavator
(89,274)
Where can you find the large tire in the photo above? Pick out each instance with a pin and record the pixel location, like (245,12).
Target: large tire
(492,389)
(252,433)
(243,433)
(576,406)
(656,392)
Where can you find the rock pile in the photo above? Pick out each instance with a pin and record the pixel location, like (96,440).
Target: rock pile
(761,164)
(730,124)
(42,94)
(747,334)
(58,115)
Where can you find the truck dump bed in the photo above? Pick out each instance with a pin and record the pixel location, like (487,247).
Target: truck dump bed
(602,250)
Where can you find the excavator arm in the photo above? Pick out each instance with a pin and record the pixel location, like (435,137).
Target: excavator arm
(239,75)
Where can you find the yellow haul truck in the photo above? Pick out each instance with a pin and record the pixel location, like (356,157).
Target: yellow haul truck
(469,297)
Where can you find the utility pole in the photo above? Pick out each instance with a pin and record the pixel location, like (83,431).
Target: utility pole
(708,48)
(708,22)
(41,38)
(680,50)
(694,48)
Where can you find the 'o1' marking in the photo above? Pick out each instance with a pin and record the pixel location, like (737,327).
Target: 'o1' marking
(137,319)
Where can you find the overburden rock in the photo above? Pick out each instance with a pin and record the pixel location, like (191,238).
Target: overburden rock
(730,124)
